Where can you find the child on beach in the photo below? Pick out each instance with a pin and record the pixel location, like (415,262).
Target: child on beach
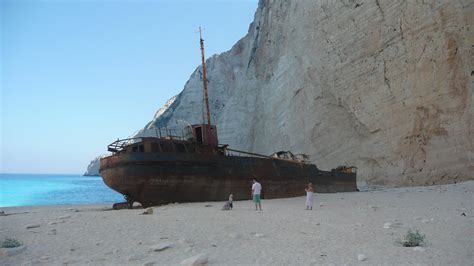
(309,196)
(231,201)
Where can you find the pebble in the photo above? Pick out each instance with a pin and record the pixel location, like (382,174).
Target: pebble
(44,257)
(418,249)
(321,204)
(133,257)
(387,225)
(64,217)
(259,235)
(361,257)
(148,263)
(52,223)
(200,259)
(235,235)
(425,221)
(52,232)
(162,246)
(32,226)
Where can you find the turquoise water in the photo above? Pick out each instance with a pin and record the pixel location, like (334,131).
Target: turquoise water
(52,189)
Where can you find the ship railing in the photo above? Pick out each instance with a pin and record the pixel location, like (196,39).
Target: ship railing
(228,151)
(166,133)
(120,144)
(161,133)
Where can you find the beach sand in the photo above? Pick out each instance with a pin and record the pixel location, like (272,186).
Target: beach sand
(340,227)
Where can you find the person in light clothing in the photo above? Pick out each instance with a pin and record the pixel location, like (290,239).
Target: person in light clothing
(231,201)
(309,196)
(256,191)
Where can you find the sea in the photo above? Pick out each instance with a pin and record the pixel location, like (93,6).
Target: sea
(54,189)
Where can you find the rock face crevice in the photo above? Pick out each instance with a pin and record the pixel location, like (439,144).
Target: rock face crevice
(382,85)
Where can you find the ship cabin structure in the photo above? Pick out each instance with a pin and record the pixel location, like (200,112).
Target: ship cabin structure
(199,138)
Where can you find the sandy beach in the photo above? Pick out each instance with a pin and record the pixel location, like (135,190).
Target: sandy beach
(340,228)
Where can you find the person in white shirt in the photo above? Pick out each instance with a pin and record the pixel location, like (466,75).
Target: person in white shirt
(256,190)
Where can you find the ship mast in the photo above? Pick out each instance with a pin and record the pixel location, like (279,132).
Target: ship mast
(204,81)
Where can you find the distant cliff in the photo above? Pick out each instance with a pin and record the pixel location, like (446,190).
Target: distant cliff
(386,86)
(93,167)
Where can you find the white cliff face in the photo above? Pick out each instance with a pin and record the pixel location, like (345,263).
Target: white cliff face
(93,167)
(386,86)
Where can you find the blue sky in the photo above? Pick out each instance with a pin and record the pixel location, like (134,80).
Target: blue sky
(76,75)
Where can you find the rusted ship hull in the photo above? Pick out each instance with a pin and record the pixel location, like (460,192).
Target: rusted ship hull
(158,178)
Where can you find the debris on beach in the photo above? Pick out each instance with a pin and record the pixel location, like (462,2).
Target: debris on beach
(32,226)
(162,246)
(200,259)
(148,211)
(387,225)
(361,257)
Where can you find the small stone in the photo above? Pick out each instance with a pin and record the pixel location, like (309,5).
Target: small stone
(162,246)
(52,223)
(43,258)
(148,263)
(317,223)
(148,211)
(358,224)
(32,226)
(387,225)
(64,217)
(52,232)
(235,235)
(134,257)
(321,204)
(361,257)
(200,259)
(259,235)
(425,221)
(418,249)
(208,205)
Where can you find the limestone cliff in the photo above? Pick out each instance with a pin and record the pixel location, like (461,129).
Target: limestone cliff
(386,86)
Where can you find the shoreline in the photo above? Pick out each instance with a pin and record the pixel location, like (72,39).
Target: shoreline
(340,227)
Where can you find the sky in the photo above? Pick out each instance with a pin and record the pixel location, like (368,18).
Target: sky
(75,75)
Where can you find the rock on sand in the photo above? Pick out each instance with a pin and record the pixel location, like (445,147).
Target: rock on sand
(200,259)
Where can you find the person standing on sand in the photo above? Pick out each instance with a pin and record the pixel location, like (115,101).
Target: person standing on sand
(256,189)
(231,201)
(309,196)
